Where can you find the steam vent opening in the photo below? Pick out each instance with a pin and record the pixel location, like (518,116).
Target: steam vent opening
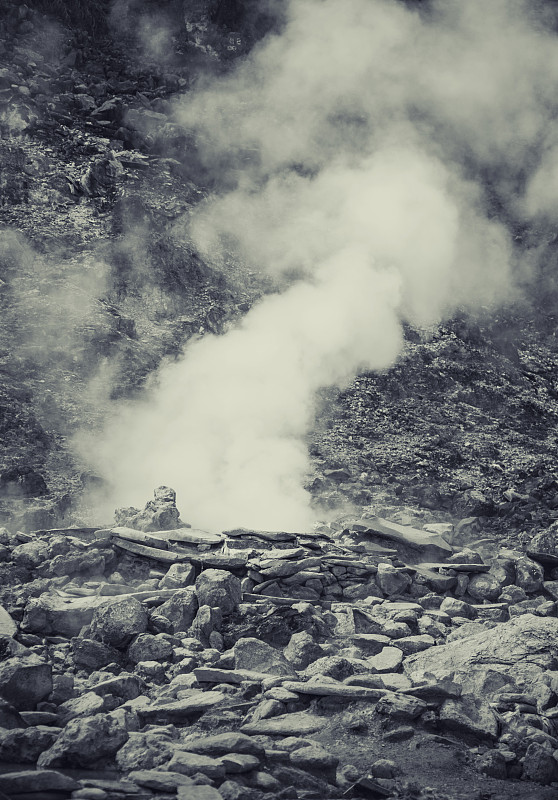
(296,260)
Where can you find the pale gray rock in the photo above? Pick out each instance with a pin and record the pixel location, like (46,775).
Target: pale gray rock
(519,650)
(178,576)
(180,610)
(187,763)
(221,743)
(219,589)
(302,650)
(469,717)
(30,554)
(84,741)
(147,647)
(145,751)
(253,654)
(392,580)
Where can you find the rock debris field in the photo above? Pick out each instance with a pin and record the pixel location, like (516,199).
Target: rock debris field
(140,662)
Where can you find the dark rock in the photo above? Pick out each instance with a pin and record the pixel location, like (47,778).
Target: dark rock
(36,781)
(22,482)
(91,655)
(116,622)
(25,746)
(85,741)
(24,681)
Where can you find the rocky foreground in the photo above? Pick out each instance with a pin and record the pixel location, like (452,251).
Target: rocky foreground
(147,663)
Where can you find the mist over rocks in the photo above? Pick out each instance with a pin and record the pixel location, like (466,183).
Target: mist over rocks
(188,261)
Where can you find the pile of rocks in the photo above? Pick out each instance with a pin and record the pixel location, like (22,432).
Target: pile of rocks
(122,662)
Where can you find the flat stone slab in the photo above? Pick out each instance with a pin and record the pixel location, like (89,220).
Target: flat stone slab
(298,723)
(178,710)
(422,541)
(234,676)
(326,689)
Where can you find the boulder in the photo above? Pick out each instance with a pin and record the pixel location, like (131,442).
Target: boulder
(25,681)
(250,653)
(180,610)
(392,580)
(218,588)
(145,751)
(208,621)
(178,576)
(529,575)
(91,655)
(85,741)
(487,585)
(517,651)
(192,763)
(469,717)
(147,647)
(25,746)
(36,782)
(116,622)
(159,514)
(302,650)
(221,743)
(30,554)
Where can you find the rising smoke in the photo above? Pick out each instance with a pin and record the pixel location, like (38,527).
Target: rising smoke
(360,143)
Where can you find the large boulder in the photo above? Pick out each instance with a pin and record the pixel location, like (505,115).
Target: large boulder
(218,588)
(25,681)
(116,622)
(515,652)
(85,741)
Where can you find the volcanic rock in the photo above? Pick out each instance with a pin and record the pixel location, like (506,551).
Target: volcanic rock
(47,615)
(116,622)
(25,746)
(36,781)
(250,653)
(180,609)
(519,650)
(84,741)
(159,514)
(30,554)
(178,576)
(25,681)
(147,647)
(218,588)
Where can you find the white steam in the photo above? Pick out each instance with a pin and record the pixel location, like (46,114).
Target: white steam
(360,142)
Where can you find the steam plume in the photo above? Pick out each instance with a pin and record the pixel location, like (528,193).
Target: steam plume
(359,143)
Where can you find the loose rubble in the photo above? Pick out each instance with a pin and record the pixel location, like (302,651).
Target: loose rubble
(229,673)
